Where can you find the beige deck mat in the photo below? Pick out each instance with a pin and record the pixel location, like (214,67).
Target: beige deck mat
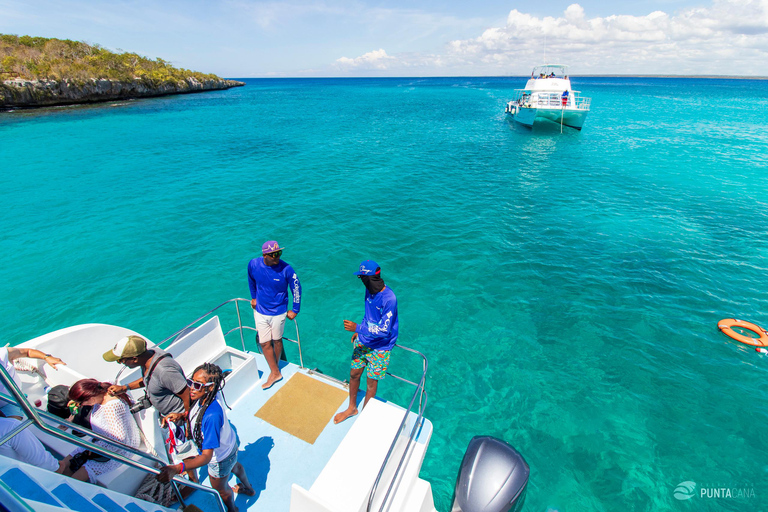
(303,407)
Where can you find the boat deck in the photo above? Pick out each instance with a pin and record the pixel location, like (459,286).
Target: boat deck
(286,434)
(274,459)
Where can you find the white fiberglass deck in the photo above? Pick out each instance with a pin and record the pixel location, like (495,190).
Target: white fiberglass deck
(274,459)
(334,473)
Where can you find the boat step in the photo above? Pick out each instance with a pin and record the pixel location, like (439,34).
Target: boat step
(41,488)
(74,499)
(149,507)
(107,504)
(28,488)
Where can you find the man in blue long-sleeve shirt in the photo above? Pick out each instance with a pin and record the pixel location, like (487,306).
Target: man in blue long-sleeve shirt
(373,338)
(269,279)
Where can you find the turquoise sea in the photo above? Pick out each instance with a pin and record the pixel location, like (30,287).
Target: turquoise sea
(566,287)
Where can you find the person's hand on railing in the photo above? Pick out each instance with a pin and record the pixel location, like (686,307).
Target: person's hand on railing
(291,315)
(168,472)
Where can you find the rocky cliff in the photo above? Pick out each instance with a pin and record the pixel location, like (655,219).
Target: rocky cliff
(41,93)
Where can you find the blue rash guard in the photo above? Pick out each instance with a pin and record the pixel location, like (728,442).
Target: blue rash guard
(379,327)
(269,286)
(217,432)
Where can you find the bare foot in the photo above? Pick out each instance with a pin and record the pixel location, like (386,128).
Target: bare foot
(271,380)
(241,489)
(344,415)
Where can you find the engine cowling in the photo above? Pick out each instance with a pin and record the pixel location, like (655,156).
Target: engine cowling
(492,478)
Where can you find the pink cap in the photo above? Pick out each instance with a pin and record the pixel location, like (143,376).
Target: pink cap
(271,246)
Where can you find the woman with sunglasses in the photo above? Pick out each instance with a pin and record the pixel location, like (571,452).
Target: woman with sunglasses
(110,417)
(215,439)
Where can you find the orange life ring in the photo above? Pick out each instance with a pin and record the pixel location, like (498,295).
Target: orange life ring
(726,326)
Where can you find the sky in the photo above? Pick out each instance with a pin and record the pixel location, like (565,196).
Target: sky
(343,38)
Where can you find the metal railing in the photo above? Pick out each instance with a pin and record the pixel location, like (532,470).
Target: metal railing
(34,417)
(555,99)
(11,500)
(582,102)
(422,394)
(240,327)
(552,100)
(419,392)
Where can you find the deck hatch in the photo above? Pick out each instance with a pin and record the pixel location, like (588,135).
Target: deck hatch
(303,407)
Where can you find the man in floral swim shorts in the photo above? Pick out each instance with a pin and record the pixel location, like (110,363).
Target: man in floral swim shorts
(373,338)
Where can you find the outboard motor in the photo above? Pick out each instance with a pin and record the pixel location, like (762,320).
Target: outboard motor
(492,478)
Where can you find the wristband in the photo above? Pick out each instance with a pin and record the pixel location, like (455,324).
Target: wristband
(183,467)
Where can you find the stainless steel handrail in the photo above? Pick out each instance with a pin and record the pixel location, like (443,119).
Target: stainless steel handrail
(239,327)
(78,428)
(10,435)
(34,416)
(11,500)
(201,317)
(421,392)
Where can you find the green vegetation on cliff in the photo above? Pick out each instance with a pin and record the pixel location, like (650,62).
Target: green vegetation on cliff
(41,58)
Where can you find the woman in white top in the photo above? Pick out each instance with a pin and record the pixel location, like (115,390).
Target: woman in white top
(110,417)
(215,439)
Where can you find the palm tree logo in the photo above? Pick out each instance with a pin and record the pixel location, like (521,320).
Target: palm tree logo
(685,490)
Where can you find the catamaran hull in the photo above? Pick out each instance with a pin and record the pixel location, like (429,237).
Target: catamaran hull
(568,117)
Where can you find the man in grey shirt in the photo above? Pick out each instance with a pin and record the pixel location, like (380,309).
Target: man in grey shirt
(166,387)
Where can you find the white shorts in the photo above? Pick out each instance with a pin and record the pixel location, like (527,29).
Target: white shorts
(270,328)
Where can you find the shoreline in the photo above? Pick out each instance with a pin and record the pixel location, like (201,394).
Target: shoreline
(21,93)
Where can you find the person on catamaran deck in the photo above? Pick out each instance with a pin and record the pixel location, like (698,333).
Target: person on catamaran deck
(214,437)
(269,279)
(166,390)
(110,417)
(7,356)
(25,446)
(373,338)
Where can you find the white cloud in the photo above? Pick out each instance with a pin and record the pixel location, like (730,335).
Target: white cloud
(377,59)
(727,37)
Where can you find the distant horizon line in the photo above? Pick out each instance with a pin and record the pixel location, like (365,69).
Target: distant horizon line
(723,77)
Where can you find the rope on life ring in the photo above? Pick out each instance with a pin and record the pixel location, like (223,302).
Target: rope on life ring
(726,326)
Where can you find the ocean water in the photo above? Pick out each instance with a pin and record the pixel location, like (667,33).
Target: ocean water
(565,287)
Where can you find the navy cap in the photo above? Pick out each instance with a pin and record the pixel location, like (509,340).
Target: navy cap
(368,268)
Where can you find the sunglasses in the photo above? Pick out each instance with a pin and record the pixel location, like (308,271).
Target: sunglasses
(274,254)
(197,386)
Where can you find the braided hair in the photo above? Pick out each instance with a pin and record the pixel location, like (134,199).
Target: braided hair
(214,375)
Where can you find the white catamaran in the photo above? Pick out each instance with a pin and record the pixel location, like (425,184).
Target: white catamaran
(297,459)
(548,97)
